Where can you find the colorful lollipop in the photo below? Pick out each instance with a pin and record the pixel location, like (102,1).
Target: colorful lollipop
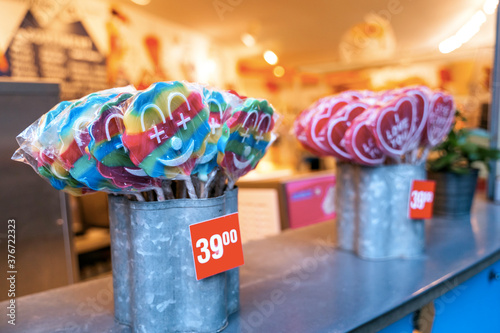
(75,138)
(165,129)
(220,105)
(246,137)
(107,148)
(45,148)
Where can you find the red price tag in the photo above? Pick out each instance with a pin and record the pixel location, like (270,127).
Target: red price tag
(421,199)
(216,245)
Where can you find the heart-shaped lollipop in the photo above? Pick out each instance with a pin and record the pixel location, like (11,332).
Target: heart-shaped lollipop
(299,129)
(338,125)
(441,115)
(421,93)
(314,132)
(395,124)
(360,142)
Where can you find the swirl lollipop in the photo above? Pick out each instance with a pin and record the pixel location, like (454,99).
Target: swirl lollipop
(246,137)
(45,148)
(220,105)
(166,127)
(75,137)
(107,148)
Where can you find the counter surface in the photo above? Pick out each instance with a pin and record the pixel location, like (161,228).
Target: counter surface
(298,282)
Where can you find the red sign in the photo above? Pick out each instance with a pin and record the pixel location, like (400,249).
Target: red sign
(310,200)
(216,245)
(421,199)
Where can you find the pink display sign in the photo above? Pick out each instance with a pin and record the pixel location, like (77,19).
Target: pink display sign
(310,200)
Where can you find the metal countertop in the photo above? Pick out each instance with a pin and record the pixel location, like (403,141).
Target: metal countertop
(299,282)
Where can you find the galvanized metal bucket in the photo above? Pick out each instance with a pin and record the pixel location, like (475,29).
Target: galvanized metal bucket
(381,228)
(153,266)
(345,205)
(119,225)
(233,275)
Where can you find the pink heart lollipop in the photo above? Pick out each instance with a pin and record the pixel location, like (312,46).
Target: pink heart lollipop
(316,138)
(300,126)
(395,124)
(360,142)
(338,125)
(441,115)
(421,93)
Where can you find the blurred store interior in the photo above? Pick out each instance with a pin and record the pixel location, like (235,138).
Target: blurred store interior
(288,52)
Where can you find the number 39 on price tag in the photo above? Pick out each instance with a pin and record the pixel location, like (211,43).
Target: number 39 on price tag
(216,245)
(421,199)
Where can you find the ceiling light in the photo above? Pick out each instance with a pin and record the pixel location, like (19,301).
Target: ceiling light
(490,6)
(270,57)
(464,34)
(248,39)
(278,71)
(141,2)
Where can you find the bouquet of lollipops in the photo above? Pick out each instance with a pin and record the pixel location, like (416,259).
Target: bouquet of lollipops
(368,128)
(171,140)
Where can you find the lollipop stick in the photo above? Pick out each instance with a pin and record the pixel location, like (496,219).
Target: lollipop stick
(159,194)
(202,189)
(190,188)
(139,197)
(230,184)
(208,185)
(196,184)
(414,155)
(424,155)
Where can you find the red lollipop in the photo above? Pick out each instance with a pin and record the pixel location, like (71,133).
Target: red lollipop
(394,125)
(300,126)
(315,136)
(421,93)
(441,115)
(360,142)
(338,125)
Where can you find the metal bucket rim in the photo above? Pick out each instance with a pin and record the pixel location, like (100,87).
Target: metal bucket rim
(394,166)
(177,203)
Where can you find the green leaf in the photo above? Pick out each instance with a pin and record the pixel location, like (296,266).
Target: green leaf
(489,153)
(444,162)
(469,148)
(460,170)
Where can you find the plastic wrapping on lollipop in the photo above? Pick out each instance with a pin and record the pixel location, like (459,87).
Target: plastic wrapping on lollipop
(401,124)
(127,142)
(246,136)
(166,127)
(41,154)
